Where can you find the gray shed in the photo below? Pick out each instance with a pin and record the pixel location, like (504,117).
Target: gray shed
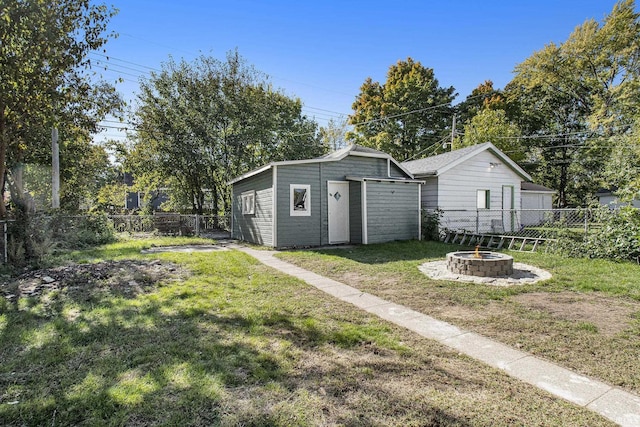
(353,195)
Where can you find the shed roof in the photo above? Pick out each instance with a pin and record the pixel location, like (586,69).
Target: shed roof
(350,150)
(530,186)
(436,165)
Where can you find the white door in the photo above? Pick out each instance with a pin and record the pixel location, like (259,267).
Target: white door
(338,207)
(507,207)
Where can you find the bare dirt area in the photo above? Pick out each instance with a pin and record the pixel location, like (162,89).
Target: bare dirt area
(124,278)
(609,315)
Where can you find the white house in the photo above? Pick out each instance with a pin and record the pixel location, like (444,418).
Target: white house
(477,179)
(537,201)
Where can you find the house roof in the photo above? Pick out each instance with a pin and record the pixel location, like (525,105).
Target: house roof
(530,186)
(436,165)
(350,150)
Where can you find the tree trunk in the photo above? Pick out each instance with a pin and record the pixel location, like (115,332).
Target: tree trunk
(564,171)
(3,161)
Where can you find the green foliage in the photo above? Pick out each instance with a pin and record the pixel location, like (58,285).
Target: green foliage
(45,81)
(333,135)
(493,126)
(431,224)
(203,123)
(406,115)
(576,96)
(110,197)
(481,98)
(622,171)
(32,239)
(617,236)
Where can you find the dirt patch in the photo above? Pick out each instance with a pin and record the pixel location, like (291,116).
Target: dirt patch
(609,315)
(125,278)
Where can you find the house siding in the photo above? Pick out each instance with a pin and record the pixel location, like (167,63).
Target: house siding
(430,193)
(338,171)
(299,230)
(256,228)
(392,211)
(355,211)
(390,215)
(457,187)
(396,172)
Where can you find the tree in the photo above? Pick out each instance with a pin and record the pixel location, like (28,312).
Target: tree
(493,126)
(575,97)
(203,123)
(482,97)
(45,81)
(333,135)
(622,171)
(406,115)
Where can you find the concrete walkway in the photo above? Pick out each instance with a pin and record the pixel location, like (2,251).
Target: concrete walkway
(613,403)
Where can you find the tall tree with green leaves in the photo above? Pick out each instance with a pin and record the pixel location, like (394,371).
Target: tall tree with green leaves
(202,123)
(46,81)
(482,97)
(406,115)
(577,95)
(493,126)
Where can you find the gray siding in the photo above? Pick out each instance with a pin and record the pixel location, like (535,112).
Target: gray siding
(256,228)
(430,193)
(355,211)
(299,230)
(396,172)
(392,211)
(337,171)
(391,217)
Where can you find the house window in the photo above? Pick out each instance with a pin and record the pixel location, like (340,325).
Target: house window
(483,199)
(248,202)
(300,199)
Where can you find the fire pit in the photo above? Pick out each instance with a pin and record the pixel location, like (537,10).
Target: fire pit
(480,263)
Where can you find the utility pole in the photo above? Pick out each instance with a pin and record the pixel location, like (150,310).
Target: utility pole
(55,170)
(453,131)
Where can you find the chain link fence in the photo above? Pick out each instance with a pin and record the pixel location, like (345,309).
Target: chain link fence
(533,223)
(172,224)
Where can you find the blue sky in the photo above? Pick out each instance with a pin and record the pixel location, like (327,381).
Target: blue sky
(322,52)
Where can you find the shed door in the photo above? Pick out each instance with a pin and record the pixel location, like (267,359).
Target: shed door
(507,208)
(338,207)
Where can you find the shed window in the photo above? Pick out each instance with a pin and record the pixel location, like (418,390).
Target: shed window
(248,202)
(300,199)
(483,199)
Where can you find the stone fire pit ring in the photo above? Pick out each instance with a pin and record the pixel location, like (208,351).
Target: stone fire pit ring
(480,263)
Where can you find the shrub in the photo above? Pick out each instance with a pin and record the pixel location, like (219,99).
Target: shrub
(615,235)
(431,224)
(31,238)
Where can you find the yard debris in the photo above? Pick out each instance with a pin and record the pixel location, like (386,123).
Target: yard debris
(126,278)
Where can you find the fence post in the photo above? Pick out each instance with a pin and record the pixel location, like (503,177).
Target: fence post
(197,225)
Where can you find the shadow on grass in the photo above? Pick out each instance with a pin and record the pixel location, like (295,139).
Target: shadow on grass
(381,253)
(181,356)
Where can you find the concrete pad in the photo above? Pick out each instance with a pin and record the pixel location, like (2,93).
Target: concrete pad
(364,300)
(619,406)
(485,349)
(556,380)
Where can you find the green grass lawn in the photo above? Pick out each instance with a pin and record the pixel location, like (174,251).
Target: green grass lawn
(224,340)
(586,318)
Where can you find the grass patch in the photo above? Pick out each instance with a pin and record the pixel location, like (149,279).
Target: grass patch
(584,318)
(234,343)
